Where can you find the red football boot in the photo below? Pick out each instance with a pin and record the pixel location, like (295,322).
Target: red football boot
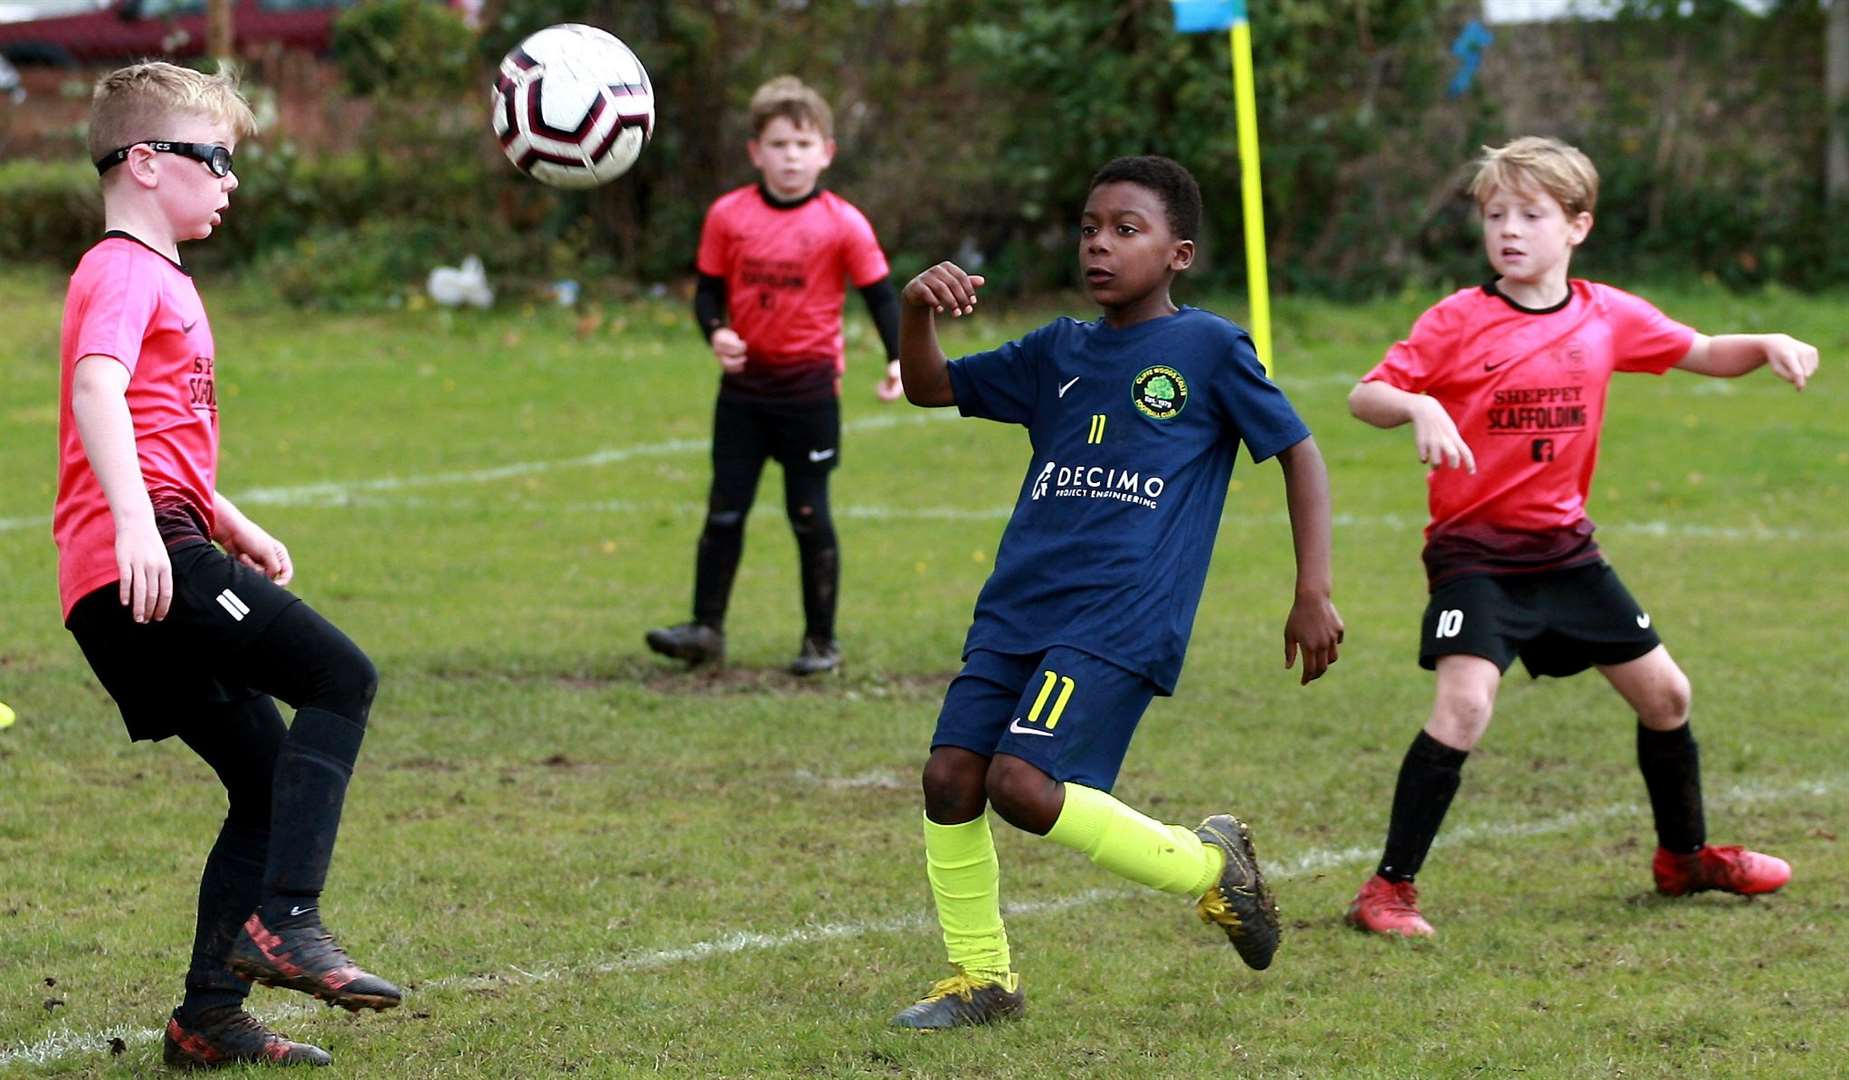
(1388,907)
(1723,869)
(308,959)
(231,1036)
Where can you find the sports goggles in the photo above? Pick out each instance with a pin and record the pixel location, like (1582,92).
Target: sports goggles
(217,158)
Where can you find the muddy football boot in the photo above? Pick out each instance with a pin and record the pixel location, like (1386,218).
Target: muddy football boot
(818,657)
(964,1000)
(231,1036)
(307,958)
(692,642)
(1239,902)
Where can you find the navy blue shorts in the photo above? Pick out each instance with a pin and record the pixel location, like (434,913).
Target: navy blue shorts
(1066,712)
(1559,622)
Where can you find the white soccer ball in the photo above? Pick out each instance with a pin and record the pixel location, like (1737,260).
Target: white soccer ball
(573,107)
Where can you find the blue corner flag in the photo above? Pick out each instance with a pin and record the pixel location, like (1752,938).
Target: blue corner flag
(1203,16)
(1468,48)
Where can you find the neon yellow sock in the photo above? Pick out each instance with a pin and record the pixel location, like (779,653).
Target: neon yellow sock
(966,882)
(1128,844)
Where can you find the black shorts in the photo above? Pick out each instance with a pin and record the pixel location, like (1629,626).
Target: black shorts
(1560,622)
(161,674)
(803,436)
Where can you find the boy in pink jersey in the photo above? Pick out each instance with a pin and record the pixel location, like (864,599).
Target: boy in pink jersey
(773,258)
(191,638)
(1504,386)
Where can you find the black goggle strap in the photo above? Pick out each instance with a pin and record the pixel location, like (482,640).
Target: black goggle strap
(215,157)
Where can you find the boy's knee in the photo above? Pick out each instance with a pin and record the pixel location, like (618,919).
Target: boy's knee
(1667,706)
(353,683)
(725,521)
(1460,717)
(953,786)
(1024,796)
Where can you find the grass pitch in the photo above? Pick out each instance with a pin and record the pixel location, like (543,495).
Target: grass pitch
(583,860)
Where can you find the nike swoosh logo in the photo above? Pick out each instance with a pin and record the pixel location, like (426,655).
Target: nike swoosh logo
(1019,730)
(1643,621)
(1068,386)
(294,911)
(1492,367)
(820,455)
(187,327)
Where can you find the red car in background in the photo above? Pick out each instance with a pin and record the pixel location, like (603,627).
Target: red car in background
(173,29)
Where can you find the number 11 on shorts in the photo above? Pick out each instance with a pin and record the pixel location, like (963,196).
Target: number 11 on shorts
(1046,690)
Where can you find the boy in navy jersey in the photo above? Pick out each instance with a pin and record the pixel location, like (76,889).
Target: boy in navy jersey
(1134,420)
(773,257)
(1504,386)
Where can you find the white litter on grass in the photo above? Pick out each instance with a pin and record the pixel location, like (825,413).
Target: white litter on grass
(454,286)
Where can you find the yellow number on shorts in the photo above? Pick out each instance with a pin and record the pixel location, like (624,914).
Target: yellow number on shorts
(1046,691)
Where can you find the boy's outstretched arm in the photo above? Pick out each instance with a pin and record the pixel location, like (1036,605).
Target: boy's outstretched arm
(99,386)
(944,287)
(1730,355)
(1434,432)
(1314,625)
(249,543)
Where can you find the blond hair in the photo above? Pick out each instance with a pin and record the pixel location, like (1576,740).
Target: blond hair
(787,96)
(1536,162)
(136,103)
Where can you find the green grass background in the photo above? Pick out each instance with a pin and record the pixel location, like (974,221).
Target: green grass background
(585,861)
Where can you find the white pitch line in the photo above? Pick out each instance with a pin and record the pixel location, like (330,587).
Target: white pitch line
(343,493)
(68,1043)
(386,491)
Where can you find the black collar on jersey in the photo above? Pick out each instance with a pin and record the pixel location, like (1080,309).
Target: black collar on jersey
(785,204)
(120,235)
(1490,288)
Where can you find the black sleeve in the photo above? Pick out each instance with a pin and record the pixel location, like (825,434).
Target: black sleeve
(709,304)
(883,303)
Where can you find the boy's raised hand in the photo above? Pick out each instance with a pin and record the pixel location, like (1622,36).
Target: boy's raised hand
(1790,359)
(1436,436)
(729,349)
(944,287)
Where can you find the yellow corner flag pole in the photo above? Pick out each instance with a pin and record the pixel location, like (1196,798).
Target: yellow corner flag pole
(1258,289)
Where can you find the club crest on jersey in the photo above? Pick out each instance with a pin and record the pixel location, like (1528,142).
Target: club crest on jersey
(1159,392)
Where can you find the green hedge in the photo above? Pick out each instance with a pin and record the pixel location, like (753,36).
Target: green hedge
(49,210)
(356,230)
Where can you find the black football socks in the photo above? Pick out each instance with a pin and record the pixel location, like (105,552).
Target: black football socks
(310,790)
(1671,764)
(821,574)
(1429,777)
(722,544)
(229,889)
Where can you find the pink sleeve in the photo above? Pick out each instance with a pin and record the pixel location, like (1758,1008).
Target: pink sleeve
(1643,338)
(119,302)
(1410,364)
(715,257)
(860,249)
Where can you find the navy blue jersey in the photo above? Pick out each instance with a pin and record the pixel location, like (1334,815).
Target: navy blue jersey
(1134,432)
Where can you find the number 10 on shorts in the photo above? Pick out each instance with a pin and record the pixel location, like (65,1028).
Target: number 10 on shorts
(1064,682)
(1450,621)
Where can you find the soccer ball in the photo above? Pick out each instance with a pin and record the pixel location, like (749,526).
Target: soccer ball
(572,106)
